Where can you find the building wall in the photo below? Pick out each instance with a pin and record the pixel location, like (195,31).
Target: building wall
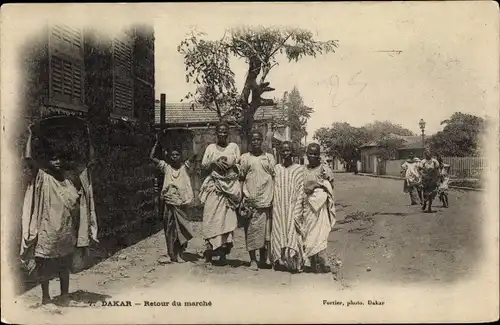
(338,165)
(393,167)
(368,156)
(404,153)
(123,177)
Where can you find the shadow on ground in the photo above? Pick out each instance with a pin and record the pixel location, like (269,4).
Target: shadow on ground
(107,247)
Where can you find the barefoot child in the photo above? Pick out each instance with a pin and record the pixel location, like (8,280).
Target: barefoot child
(257,177)
(58,218)
(176,194)
(444,179)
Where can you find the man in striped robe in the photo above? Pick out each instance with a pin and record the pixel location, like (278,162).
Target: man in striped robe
(287,244)
(319,209)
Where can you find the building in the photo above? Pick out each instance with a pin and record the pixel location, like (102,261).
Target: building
(109,81)
(370,162)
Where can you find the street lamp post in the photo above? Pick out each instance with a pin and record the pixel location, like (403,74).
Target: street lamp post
(422,128)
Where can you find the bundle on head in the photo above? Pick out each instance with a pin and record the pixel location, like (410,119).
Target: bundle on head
(62,137)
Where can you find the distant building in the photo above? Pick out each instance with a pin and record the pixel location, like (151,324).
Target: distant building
(369,152)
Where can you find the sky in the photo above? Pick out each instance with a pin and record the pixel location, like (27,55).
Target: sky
(396,61)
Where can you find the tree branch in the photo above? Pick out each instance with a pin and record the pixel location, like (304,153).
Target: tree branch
(280,46)
(253,49)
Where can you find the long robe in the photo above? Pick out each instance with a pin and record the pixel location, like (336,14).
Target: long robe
(287,243)
(177,194)
(410,168)
(220,195)
(56,218)
(257,173)
(430,177)
(413,178)
(319,210)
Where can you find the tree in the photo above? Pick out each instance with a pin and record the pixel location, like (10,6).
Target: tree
(207,64)
(379,129)
(295,115)
(460,136)
(342,140)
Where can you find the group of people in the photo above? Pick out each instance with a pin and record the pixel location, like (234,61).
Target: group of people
(426,178)
(287,210)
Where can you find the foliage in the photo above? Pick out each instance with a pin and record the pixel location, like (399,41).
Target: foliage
(295,115)
(342,140)
(387,146)
(460,136)
(380,129)
(207,64)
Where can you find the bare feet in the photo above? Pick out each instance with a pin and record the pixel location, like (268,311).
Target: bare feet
(254,266)
(180,259)
(164,260)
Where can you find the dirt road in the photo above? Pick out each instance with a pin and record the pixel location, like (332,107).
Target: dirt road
(379,238)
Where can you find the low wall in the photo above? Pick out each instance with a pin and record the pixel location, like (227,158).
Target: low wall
(393,167)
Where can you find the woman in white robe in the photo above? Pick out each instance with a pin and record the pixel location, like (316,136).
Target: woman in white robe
(220,194)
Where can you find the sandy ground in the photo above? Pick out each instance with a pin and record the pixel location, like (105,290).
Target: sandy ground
(379,238)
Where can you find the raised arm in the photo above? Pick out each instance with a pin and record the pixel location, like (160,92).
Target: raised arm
(33,163)
(190,161)
(153,150)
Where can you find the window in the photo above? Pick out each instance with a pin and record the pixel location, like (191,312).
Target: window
(123,94)
(123,84)
(66,80)
(66,68)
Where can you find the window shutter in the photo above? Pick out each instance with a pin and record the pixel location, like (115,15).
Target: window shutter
(68,37)
(66,64)
(123,96)
(123,75)
(57,75)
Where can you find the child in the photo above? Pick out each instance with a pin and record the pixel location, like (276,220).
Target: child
(176,194)
(58,216)
(257,177)
(444,179)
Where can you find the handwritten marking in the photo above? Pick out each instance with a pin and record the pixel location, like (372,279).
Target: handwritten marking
(351,83)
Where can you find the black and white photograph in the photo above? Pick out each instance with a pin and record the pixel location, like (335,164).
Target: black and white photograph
(326,162)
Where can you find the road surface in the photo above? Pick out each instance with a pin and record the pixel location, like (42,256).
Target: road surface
(379,238)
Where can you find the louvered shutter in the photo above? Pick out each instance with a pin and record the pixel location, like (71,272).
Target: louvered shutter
(123,88)
(66,64)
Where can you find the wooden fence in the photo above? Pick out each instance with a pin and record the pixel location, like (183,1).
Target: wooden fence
(466,167)
(460,167)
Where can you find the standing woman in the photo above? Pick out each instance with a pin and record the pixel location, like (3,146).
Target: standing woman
(429,168)
(220,194)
